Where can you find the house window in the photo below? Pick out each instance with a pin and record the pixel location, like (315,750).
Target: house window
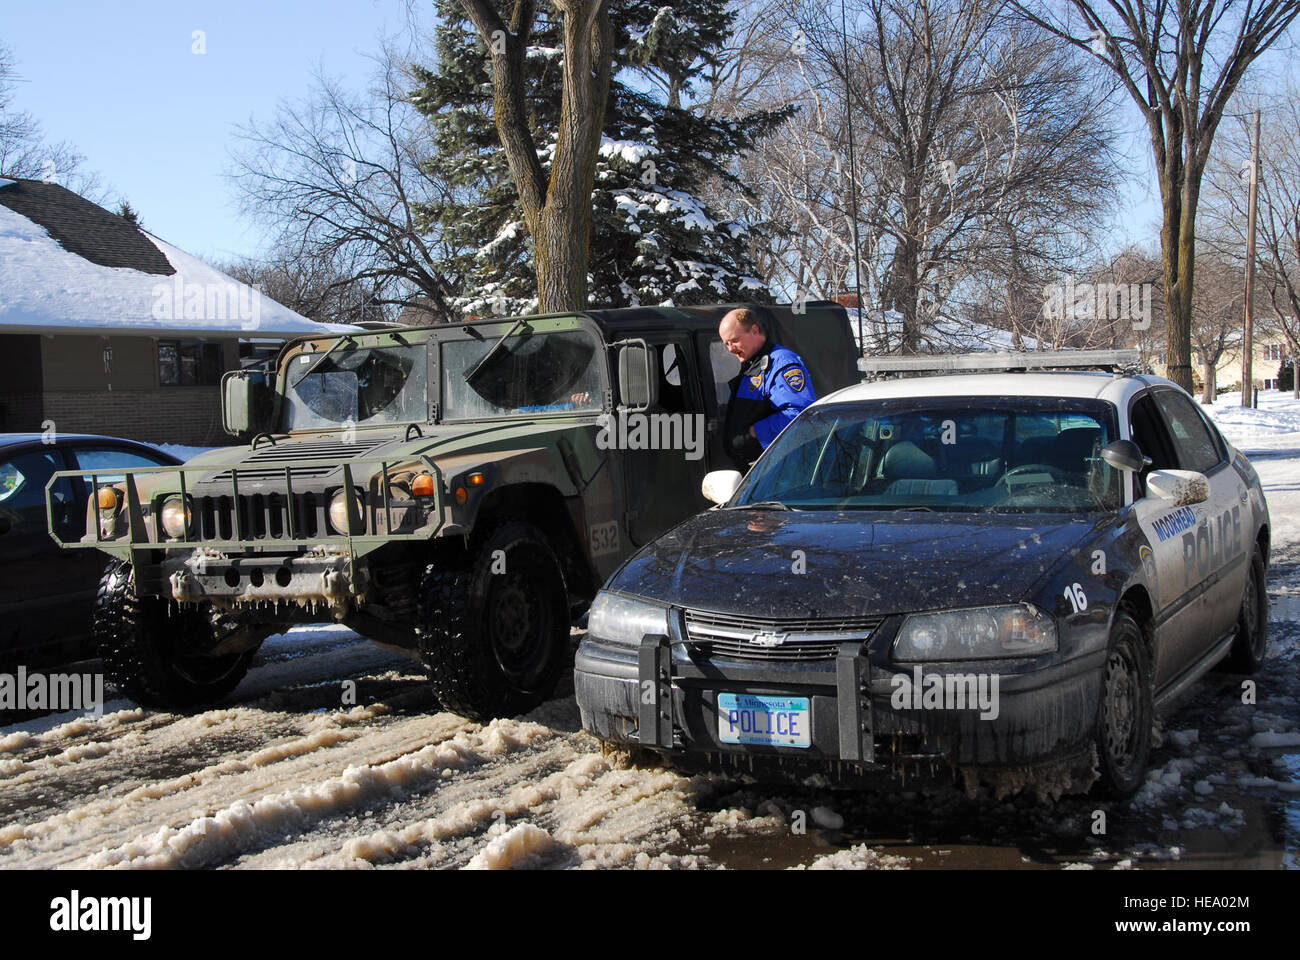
(1273,351)
(188,363)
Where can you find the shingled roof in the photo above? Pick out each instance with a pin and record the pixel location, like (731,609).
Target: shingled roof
(85,228)
(68,265)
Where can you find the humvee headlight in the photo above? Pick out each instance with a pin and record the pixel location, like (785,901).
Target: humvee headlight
(617,619)
(339,511)
(175,517)
(975,634)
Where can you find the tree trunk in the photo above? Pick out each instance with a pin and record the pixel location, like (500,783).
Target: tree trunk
(1178,255)
(1211,387)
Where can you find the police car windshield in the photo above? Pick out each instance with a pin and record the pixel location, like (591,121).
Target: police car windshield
(980,454)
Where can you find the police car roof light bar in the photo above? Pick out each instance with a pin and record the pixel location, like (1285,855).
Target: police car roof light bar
(1002,362)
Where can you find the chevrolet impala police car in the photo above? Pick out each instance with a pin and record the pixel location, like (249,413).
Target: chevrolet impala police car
(1000,572)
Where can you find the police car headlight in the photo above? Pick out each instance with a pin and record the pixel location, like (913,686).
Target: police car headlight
(978,633)
(617,619)
(175,515)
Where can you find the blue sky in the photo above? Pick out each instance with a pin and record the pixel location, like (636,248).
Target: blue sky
(120,82)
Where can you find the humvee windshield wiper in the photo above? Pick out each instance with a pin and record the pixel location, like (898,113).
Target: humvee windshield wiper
(494,348)
(347,337)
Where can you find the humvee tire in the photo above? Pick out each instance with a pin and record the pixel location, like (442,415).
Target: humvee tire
(140,641)
(493,633)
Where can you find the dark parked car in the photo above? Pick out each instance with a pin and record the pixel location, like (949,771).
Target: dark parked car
(46,594)
(994,572)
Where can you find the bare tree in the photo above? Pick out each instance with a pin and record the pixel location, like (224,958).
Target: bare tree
(24,151)
(982,159)
(557,208)
(337,178)
(1164,53)
(1277,227)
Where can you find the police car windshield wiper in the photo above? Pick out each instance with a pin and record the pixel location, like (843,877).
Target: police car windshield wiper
(763,505)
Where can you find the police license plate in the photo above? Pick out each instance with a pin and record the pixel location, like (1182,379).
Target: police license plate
(765,721)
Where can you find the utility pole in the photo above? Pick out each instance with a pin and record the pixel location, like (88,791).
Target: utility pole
(1248,343)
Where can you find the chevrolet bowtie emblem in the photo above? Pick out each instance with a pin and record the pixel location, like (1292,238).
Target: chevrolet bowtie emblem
(768,639)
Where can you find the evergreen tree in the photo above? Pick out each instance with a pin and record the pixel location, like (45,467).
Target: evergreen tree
(653,241)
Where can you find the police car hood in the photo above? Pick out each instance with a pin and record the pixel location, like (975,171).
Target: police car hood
(785,563)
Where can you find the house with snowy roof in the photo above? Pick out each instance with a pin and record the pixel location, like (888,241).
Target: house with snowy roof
(105,328)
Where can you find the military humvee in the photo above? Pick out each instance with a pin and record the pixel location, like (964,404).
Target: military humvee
(458,492)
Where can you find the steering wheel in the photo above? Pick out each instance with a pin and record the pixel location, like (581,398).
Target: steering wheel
(1058,476)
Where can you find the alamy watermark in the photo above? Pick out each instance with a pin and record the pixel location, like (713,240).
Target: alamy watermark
(56,692)
(652,431)
(75,913)
(1098,301)
(208,301)
(946,691)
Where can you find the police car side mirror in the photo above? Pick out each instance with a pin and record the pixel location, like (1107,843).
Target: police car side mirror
(719,485)
(1125,455)
(1181,487)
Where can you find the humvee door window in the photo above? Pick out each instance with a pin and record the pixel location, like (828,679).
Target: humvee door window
(530,374)
(357,385)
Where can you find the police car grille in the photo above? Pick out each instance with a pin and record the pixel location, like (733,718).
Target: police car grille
(804,640)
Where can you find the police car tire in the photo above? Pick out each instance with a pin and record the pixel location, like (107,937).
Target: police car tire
(464,615)
(1126,702)
(1252,631)
(138,638)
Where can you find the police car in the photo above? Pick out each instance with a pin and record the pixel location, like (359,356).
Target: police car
(1001,572)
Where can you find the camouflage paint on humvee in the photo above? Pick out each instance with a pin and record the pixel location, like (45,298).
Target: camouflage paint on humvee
(498,474)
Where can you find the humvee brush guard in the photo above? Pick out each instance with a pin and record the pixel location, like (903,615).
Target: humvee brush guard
(457,492)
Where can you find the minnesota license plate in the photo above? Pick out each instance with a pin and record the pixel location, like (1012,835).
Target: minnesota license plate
(765,721)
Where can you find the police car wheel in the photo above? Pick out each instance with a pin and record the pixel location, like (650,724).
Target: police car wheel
(153,651)
(493,634)
(1252,622)
(1124,717)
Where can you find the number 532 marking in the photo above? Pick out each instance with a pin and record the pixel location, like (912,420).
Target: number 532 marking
(604,538)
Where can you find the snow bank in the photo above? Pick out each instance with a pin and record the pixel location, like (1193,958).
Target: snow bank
(520,846)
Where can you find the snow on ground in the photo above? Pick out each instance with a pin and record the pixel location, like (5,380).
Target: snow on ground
(292,773)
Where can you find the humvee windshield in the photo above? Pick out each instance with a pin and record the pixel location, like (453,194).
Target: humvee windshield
(530,374)
(359,385)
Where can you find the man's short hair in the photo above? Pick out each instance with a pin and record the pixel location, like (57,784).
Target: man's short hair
(748,319)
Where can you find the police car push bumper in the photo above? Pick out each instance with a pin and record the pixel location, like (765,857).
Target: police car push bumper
(844,709)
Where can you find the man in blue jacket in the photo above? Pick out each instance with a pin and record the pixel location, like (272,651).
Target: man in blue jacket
(771,389)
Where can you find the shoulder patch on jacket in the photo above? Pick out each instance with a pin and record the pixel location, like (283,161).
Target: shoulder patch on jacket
(794,377)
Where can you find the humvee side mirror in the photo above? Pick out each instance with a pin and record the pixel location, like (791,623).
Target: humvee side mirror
(244,396)
(1125,455)
(638,381)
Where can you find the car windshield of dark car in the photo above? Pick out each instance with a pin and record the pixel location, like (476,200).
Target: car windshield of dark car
(356,385)
(532,373)
(960,454)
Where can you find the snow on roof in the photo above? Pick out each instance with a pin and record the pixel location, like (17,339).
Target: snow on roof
(46,288)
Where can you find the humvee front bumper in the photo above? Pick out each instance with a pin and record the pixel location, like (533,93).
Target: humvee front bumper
(317,578)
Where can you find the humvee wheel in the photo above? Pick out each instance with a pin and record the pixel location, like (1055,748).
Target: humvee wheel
(152,652)
(493,634)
